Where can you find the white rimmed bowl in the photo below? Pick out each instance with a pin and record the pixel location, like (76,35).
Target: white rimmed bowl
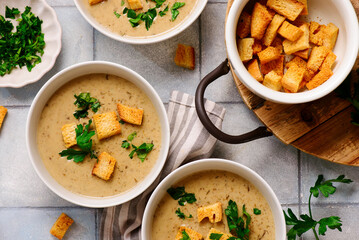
(50,88)
(52,30)
(145,40)
(341,13)
(214,164)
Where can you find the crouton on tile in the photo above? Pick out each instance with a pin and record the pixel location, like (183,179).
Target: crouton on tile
(185,56)
(107,125)
(212,212)
(3,111)
(69,134)
(130,115)
(104,167)
(61,226)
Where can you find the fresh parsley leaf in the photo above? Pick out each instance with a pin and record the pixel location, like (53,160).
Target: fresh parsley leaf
(122,2)
(181,195)
(182,215)
(256,211)
(163,12)
(185,236)
(117,14)
(125,10)
(326,187)
(121,121)
(148,17)
(84,102)
(238,226)
(300,226)
(332,222)
(174,9)
(125,144)
(142,151)
(131,136)
(10,13)
(159,3)
(76,155)
(215,236)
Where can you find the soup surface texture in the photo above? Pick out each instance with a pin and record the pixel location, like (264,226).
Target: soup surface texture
(77,177)
(210,187)
(104,13)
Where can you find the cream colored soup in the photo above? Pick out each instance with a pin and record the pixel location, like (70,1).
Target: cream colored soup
(104,14)
(210,187)
(77,177)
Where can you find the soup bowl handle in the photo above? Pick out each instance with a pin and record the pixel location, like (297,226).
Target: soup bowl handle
(221,70)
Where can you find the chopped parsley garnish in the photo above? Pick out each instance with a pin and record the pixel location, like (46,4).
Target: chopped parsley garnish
(163,12)
(159,3)
(306,222)
(142,151)
(84,101)
(148,17)
(238,226)
(181,215)
(181,195)
(215,236)
(125,144)
(122,2)
(185,236)
(132,136)
(117,14)
(23,47)
(135,19)
(256,211)
(125,10)
(84,142)
(174,9)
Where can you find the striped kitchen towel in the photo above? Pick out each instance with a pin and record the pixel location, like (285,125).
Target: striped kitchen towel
(189,141)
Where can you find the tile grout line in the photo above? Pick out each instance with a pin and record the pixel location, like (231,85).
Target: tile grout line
(96,227)
(17,106)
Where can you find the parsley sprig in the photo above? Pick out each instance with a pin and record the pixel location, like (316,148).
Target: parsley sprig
(142,151)
(238,225)
(215,236)
(185,236)
(181,215)
(181,195)
(10,13)
(306,222)
(174,9)
(84,142)
(135,19)
(163,12)
(84,102)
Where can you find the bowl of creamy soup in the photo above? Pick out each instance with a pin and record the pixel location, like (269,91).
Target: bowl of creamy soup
(140,21)
(97,134)
(213,199)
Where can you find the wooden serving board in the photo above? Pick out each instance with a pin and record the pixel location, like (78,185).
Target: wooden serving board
(321,128)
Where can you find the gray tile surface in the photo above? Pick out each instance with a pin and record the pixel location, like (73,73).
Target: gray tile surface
(27,204)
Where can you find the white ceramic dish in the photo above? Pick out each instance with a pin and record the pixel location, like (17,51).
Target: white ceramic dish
(146,40)
(52,30)
(214,164)
(339,12)
(50,88)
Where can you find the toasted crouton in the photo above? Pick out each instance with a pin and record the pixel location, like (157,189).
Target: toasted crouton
(301,44)
(288,8)
(308,75)
(244,25)
(331,35)
(275,65)
(61,226)
(253,69)
(245,48)
(135,4)
(104,166)
(212,212)
(107,125)
(317,57)
(93,2)
(260,20)
(290,32)
(316,33)
(224,236)
(329,61)
(278,43)
(185,56)
(69,134)
(3,111)
(257,47)
(272,29)
(320,78)
(303,54)
(269,54)
(130,115)
(193,235)
(298,62)
(273,81)
(292,78)
(305,10)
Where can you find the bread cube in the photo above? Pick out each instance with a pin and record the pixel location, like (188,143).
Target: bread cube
(193,235)
(260,20)
(3,111)
(305,10)
(185,56)
(288,8)
(273,81)
(61,226)
(253,69)
(316,33)
(69,134)
(104,166)
(224,236)
(130,115)
(329,61)
(303,54)
(278,43)
(257,46)
(135,4)
(212,212)
(269,54)
(308,75)
(244,25)
(331,35)
(107,125)
(297,61)
(290,32)
(320,78)
(292,78)
(276,65)
(272,29)
(245,48)
(301,44)
(93,2)
(317,57)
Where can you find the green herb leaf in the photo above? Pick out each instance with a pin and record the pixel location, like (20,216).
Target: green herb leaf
(148,17)
(125,144)
(121,121)
(181,195)
(117,14)
(122,2)
(131,136)
(174,9)
(182,215)
(125,10)
(238,226)
(256,211)
(84,101)
(159,3)
(215,236)
(326,187)
(10,13)
(332,222)
(163,12)
(185,236)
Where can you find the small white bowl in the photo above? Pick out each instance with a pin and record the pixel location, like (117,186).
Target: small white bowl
(52,30)
(339,12)
(50,88)
(214,164)
(145,40)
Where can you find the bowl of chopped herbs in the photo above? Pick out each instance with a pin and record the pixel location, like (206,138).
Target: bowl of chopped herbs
(30,41)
